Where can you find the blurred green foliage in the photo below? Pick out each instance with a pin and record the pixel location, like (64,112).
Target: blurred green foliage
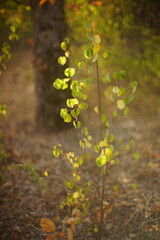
(129,29)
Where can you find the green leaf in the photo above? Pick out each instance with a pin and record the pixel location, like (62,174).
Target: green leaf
(115,113)
(111,138)
(73,114)
(57,151)
(130,99)
(57,83)
(115,75)
(116,90)
(126,110)
(69,72)
(111,97)
(69,184)
(122,74)
(64,46)
(78,124)
(132,142)
(120,104)
(136,155)
(68,118)
(62,60)
(127,147)
(97,148)
(88,53)
(116,188)
(108,152)
(80,65)
(67,40)
(107,78)
(103,118)
(72,102)
(84,131)
(65,115)
(133,85)
(101,160)
(134,186)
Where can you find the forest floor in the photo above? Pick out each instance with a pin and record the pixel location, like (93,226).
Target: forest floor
(23,202)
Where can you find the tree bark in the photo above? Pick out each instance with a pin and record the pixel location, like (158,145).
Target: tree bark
(50,31)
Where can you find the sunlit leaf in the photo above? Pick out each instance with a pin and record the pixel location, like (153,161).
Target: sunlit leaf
(120,104)
(103,144)
(96,48)
(62,60)
(96,109)
(115,113)
(103,118)
(133,85)
(47,225)
(101,160)
(108,152)
(97,38)
(72,102)
(64,46)
(136,155)
(69,72)
(88,53)
(46,174)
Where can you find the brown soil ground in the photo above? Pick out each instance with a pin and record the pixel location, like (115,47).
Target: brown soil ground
(23,202)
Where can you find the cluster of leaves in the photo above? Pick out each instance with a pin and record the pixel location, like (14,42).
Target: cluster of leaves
(14,21)
(90,169)
(119,25)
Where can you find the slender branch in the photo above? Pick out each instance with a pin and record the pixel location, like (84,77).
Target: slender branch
(99,97)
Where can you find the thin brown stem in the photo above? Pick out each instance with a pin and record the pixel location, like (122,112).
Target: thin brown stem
(99,97)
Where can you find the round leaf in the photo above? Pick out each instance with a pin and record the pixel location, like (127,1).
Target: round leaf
(101,160)
(88,53)
(69,72)
(47,225)
(120,104)
(62,60)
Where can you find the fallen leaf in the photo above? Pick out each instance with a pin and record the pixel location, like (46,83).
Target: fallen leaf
(50,237)
(47,225)
(42,2)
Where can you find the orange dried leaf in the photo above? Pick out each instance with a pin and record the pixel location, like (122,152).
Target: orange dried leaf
(47,225)
(60,234)
(97,3)
(42,2)
(52,1)
(50,237)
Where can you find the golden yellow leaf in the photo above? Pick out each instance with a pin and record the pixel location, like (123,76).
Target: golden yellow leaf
(47,225)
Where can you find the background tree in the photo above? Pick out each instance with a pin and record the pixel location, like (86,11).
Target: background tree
(50,31)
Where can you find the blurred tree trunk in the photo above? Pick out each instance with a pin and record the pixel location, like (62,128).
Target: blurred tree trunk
(50,31)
